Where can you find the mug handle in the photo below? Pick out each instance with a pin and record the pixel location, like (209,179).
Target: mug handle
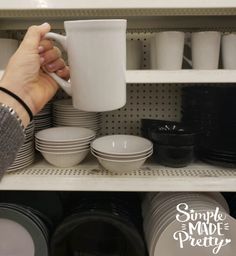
(66,86)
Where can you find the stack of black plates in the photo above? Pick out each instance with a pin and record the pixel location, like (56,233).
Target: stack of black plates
(228,113)
(211,110)
(101,224)
(216,154)
(231,199)
(201,108)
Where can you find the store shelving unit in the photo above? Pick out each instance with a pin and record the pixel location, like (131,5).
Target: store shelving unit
(181,76)
(143,17)
(89,176)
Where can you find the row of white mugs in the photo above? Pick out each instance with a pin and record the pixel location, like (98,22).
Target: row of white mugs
(167,50)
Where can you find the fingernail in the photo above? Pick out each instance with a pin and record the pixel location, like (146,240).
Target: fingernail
(50,65)
(42,60)
(40,49)
(45,24)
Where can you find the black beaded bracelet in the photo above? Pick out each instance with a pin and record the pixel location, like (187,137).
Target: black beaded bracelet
(19,100)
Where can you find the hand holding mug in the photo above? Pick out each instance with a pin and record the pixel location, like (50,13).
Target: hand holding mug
(24,76)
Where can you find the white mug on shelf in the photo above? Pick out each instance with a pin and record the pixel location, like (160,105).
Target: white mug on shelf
(153,52)
(229,51)
(8,48)
(97,59)
(169,46)
(134,54)
(206,49)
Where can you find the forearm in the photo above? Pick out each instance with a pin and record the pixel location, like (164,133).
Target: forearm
(11,135)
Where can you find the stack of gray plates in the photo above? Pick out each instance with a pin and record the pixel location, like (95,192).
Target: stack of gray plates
(64,114)
(43,119)
(26,153)
(23,233)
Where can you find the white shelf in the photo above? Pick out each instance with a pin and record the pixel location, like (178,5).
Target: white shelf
(181,76)
(146,14)
(89,177)
(110,8)
(110,4)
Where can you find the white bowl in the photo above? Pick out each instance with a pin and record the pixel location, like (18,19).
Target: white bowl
(65,143)
(121,157)
(65,159)
(65,150)
(121,166)
(121,145)
(65,134)
(58,146)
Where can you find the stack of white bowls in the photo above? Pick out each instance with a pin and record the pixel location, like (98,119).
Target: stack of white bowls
(43,119)
(25,155)
(161,223)
(64,114)
(64,146)
(121,153)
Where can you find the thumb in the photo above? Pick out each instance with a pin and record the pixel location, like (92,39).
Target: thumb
(34,35)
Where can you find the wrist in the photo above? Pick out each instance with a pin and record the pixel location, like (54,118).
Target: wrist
(18,108)
(19,89)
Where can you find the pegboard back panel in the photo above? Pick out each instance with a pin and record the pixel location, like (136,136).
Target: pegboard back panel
(158,101)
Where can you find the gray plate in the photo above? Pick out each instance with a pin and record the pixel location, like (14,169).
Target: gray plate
(40,243)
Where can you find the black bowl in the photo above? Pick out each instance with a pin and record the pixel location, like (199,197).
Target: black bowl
(177,157)
(97,233)
(168,133)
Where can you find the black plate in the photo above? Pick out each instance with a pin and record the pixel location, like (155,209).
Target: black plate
(219,163)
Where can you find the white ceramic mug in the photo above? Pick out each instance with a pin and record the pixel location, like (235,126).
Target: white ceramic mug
(153,52)
(8,48)
(206,49)
(169,50)
(134,54)
(229,51)
(97,59)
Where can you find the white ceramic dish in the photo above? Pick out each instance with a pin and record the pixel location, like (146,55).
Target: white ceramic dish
(67,150)
(41,144)
(121,157)
(72,112)
(77,121)
(68,113)
(65,159)
(167,246)
(121,166)
(68,143)
(122,145)
(65,134)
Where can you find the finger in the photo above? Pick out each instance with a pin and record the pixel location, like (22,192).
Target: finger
(51,55)
(64,73)
(45,45)
(56,65)
(34,35)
